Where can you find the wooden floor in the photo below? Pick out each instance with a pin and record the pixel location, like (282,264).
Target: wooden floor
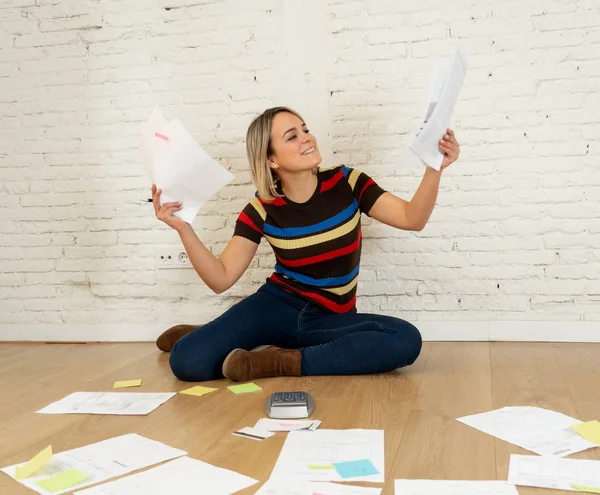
(416,408)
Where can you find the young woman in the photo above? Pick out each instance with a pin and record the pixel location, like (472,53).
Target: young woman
(306,311)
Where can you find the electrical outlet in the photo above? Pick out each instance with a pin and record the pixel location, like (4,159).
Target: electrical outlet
(172,257)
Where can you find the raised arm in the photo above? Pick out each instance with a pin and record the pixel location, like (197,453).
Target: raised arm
(218,273)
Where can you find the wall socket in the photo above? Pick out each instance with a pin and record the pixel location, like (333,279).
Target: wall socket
(172,257)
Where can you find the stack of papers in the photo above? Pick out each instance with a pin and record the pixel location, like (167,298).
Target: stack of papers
(94,463)
(331,455)
(126,403)
(182,476)
(177,164)
(539,430)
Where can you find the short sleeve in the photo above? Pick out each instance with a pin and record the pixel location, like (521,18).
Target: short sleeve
(365,190)
(250,221)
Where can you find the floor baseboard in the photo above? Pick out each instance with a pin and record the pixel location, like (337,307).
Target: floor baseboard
(440,331)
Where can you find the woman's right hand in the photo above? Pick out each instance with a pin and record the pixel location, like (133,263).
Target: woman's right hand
(165,212)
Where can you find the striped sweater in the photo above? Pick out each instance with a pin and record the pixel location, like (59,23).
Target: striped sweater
(317,244)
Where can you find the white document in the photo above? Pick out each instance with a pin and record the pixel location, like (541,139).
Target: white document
(454,487)
(539,430)
(101,461)
(179,166)
(286,424)
(253,433)
(305,454)
(126,403)
(550,472)
(183,476)
(313,488)
(449,75)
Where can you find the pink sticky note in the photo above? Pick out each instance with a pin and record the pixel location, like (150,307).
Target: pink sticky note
(161,136)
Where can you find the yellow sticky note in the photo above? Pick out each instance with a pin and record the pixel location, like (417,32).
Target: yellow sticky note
(128,383)
(321,467)
(590,431)
(62,481)
(36,462)
(244,388)
(583,488)
(197,391)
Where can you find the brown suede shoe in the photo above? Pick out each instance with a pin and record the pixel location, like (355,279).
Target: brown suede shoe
(168,338)
(241,365)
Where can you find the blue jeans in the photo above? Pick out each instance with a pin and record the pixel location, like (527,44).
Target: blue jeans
(331,344)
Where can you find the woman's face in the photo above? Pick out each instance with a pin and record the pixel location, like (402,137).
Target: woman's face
(294,148)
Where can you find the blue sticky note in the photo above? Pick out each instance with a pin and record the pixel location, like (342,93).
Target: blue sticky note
(352,469)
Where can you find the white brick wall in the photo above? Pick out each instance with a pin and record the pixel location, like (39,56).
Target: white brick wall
(515,235)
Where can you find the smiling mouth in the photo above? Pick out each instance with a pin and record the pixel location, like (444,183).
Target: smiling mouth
(309,151)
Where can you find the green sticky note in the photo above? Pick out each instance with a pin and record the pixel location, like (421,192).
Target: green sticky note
(583,488)
(62,481)
(244,388)
(321,467)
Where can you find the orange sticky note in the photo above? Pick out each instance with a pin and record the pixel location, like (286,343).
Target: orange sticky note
(590,431)
(36,462)
(128,383)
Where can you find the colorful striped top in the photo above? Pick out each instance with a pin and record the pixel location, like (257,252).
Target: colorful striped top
(317,244)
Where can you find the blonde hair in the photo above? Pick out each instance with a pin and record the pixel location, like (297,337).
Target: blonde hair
(258,150)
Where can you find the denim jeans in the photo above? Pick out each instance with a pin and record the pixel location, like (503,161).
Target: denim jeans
(331,344)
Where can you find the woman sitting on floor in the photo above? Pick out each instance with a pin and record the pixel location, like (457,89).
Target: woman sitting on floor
(306,310)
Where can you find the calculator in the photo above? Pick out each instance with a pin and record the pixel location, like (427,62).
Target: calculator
(289,405)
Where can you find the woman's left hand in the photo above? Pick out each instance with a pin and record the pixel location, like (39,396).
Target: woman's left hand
(450,147)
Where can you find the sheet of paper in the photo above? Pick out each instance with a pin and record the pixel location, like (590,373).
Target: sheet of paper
(183,476)
(550,472)
(127,403)
(303,451)
(179,166)
(273,487)
(590,431)
(453,487)
(244,388)
(539,430)
(61,481)
(448,78)
(128,383)
(35,463)
(253,433)
(286,424)
(198,391)
(101,461)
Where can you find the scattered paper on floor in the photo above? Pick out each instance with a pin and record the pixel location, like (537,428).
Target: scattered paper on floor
(552,472)
(539,430)
(309,455)
(183,476)
(98,461)
(453,487)
(127,403)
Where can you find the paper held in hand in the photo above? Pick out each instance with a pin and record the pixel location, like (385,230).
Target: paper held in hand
(179,166)
(448,77)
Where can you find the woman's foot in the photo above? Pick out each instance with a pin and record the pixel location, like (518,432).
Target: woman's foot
(169,337)
(241,365)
